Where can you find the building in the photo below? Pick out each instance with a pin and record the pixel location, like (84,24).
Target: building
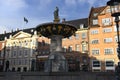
(76,47)
(2,56)
(102,40)
(93,46)
(20,50)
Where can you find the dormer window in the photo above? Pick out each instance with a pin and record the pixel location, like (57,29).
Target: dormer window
(81,26)
(5,38)
(10,36)
(31,30)
(95,14)
(35,32)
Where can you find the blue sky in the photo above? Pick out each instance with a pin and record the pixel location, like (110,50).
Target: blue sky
(12,12)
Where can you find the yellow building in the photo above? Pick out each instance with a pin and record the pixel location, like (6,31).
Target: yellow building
(102,40)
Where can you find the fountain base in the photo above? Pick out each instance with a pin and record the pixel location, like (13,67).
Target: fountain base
(56,63)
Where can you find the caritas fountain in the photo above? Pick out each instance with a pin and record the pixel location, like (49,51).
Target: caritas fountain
(56,31)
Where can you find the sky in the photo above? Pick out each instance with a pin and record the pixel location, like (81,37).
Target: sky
(12,12)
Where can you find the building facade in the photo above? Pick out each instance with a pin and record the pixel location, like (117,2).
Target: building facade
(93,46)
(20,50)
(102,40)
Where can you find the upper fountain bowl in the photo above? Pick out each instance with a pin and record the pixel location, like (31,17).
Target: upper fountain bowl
(56,28)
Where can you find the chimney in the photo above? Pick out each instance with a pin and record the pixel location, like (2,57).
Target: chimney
(4,32)
(17,29)
(63,20)
(12,31)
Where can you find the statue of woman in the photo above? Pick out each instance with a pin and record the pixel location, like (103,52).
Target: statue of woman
(56,15)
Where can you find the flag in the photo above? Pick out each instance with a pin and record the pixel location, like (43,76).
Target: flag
(25,20)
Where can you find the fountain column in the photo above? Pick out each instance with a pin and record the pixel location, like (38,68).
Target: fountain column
(56,31)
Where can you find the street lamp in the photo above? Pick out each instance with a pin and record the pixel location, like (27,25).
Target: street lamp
(115,12)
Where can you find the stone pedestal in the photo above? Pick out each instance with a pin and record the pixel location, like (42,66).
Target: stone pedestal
(56,61)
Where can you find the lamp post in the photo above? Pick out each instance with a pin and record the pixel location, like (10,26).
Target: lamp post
(115,12)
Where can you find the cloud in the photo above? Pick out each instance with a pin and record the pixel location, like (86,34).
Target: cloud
(82,2)
(13,4)
(70,2)
(44,4)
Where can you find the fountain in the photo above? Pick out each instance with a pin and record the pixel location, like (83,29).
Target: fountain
(56,31)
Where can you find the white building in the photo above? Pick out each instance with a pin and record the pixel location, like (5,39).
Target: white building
(20,49)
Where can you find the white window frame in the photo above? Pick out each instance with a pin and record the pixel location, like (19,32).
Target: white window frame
(106,30)
(98,68)
(77,47)
(108,40)
(106,21)
(98,51)
(77,36)
(94,41)
(94,31)
(95,21)
(64,49)
(84,35)
(81,26)
(108,51)
(70,48)
(110,68)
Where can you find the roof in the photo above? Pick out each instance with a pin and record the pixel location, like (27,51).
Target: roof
(2,36)
(93,10)
(77,22)
(96,10)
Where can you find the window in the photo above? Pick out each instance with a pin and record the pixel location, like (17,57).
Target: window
(81,26)
(25,52)
(95,14)
(106,30)
(84,35)
(14,54)
(77,47)
(19,62)
(95,51)
(64,49)
(107,40)
(76,36)
(20,53)
(108,51)
(96,63)
(108,10)
(106,21)
(26,61)
(84,47)
(109,63)
(94,31)
(95,41)
(70,48)
(95,21)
